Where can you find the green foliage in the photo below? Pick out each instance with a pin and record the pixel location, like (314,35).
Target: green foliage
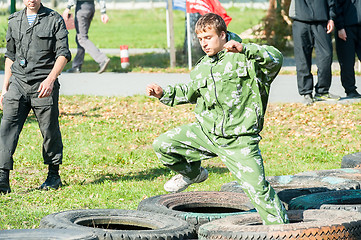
(2,36)
(276,30)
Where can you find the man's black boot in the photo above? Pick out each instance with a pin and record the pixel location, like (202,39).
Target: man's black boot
(4,181)
(53,180)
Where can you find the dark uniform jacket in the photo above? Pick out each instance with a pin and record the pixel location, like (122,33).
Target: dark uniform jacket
(40,44)
(348,13)
(312,10)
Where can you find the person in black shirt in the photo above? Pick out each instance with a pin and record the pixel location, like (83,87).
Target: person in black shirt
(348,36)
(312,27)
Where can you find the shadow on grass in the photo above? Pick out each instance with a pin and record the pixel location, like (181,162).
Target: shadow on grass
(146,175)
(83,113)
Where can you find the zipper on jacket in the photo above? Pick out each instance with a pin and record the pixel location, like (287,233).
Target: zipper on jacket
(215,93)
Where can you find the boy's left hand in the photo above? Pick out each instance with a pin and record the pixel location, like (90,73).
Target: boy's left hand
(233,46)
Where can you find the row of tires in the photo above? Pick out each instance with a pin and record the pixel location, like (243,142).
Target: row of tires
(205,215)
(305,224)
(315,201)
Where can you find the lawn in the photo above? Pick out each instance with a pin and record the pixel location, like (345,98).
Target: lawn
(109,161)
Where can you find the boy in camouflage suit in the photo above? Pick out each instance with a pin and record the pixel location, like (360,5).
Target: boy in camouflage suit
(230,86)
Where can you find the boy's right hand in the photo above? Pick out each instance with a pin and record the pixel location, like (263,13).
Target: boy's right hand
(154,90)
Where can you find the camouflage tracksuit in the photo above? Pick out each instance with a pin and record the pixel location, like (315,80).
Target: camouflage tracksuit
(231,92)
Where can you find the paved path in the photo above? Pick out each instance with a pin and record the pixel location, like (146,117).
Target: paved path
(284,88)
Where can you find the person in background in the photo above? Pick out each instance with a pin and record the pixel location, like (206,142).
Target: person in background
(230,86)
(36,52)
(348,37)
(313,22)
(84,13)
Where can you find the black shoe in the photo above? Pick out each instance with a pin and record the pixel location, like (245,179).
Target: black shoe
(52,181)
(4,181)
(74,70)
(326,97)
(103,65)
(354,94)
(307,99)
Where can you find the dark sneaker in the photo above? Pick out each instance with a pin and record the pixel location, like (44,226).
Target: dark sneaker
(326,97)
(307,99)
(103,65)
(4,181)
(52,181)
(354,94)
(74,70)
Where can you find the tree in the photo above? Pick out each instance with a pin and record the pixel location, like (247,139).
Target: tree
(277,29)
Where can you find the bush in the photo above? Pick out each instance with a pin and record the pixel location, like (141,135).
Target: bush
(277,29)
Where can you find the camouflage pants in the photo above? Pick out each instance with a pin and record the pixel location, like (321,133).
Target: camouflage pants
(183,148)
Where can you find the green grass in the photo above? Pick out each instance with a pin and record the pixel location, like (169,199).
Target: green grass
(109,161)
(147,28)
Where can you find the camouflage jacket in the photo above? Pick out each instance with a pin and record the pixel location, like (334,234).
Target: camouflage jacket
(230,89)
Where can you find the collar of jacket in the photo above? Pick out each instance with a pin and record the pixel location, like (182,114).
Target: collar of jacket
(218,56)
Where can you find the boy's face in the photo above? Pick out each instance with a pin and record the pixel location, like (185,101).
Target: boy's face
(211,42)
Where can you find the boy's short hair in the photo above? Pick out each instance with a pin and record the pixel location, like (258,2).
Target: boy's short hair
(211,21)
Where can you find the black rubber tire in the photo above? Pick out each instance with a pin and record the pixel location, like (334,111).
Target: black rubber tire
(346,207)
(304,183)
(198,208)
(285,194)
(352,160)
(333,179)
(316,200)
(120,224)
(46,234)
(304,224)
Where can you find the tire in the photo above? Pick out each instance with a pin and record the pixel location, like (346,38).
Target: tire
(316,200)
(346,207)
(285,194)
(120,224)
(304,224)
(333,179)
(313,181)
(46,234)
(198,208)
(352,160)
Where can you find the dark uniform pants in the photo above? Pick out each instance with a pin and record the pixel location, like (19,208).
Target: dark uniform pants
(16,107)
(183,148)
(84,13)
(346,56)
(307,36)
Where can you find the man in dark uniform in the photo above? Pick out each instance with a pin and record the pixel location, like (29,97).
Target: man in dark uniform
(37,51)
(312,27)
(348,42)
